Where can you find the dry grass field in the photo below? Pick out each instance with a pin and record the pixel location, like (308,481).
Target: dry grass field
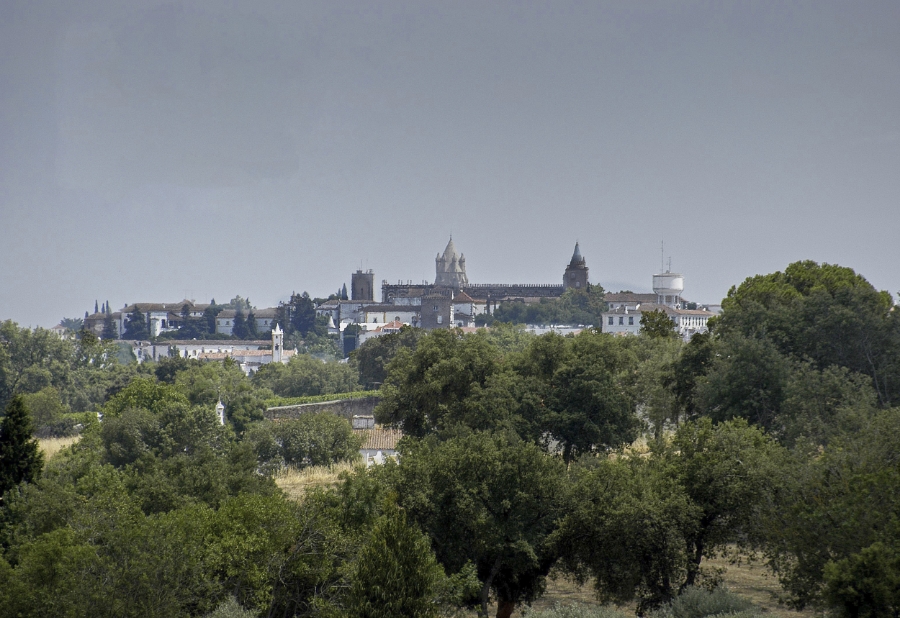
(752,581)
(51,446)
(295,483)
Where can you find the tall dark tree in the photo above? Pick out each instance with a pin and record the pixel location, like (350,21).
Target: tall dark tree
(344,292)
(20,457)
(136,325)
(209,315)
(110,330)
(303,313)
(252,329)
(239,329)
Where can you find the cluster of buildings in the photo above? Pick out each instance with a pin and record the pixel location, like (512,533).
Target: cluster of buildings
(450,301)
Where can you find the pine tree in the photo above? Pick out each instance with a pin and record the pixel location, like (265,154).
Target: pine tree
(136,325)
(109,328)
(20,458)
(396,573)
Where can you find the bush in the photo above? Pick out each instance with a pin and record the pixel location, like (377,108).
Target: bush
(230,608)
(310,440)
(699,602)
(573,611)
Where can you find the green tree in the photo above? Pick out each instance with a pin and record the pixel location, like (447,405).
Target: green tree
(692,364)
(373,357)
(31,360)
(395,573)
(491,500)
(642,525)
(20,458)
(136,327)
(657,323)
(823,312)
(625,525)
(252,331)
(209,315)
(727,471)
(579,400)
(304,375)
(239,325)
(836,501)
(429,390)
(747,380)
(310,440)
(867,584)
(110,330)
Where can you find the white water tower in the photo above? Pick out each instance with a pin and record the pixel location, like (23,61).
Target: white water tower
(668,288)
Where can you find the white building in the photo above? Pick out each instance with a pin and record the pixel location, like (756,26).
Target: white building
(627,321)
(265,319)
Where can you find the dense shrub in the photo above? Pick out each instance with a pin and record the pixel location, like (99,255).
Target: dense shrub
(697,602)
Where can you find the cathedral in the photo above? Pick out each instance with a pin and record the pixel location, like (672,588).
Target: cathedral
(450,280)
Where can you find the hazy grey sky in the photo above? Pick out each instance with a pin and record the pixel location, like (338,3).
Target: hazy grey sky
(155,150)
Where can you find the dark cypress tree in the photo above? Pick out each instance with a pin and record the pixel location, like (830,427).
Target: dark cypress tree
(252,330)
(136,325)
(20,458)
(344,292)
(96,307)
(239,329)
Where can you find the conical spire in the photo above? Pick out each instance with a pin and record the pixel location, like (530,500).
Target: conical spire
(450,251)
(576,257)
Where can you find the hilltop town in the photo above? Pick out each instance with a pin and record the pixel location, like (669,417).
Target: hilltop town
(250,335)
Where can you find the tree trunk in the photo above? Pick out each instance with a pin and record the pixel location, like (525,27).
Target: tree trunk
(505,608)
(486,588)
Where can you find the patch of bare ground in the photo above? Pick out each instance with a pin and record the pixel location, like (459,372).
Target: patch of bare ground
(51,446)
(750,580)
(296,482)
(755,582)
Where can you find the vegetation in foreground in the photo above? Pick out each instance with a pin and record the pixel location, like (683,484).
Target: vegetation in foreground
(776,434)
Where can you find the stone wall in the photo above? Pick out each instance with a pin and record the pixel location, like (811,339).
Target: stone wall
(347,408)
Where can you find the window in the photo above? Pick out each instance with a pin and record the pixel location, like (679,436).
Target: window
(631,320)
(440,319)
(611,320)
(621,320)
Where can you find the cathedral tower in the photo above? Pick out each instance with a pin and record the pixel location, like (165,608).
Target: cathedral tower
(450,268)
(576,275)
(362,285)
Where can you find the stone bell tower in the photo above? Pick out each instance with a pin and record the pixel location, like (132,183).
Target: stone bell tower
(576,275)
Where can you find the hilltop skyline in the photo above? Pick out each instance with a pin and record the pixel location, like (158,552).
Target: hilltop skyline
(162,150)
